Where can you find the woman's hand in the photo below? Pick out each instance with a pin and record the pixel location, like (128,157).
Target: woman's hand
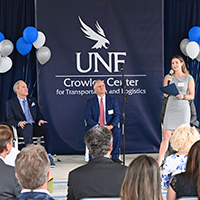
(168,78)
(180,96)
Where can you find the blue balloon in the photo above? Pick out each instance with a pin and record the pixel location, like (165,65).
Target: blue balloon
(194,34)
(2,37)
(23,47)
(30,34)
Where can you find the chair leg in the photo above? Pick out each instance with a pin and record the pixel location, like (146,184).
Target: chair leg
(15,138)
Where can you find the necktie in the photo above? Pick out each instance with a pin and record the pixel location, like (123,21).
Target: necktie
(102,118)
(26,111)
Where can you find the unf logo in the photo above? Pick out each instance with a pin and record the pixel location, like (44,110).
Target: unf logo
(95,57)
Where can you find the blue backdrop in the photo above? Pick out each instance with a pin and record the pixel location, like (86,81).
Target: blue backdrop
(88,39)
(133,27)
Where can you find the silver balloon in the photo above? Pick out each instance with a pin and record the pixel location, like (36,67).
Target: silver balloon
(183,45)
(43,55)
(198,57)
(5,64)
(6,47)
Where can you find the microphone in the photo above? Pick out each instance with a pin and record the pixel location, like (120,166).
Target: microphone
(170,74)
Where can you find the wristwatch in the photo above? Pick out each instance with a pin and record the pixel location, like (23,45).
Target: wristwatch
(184,96)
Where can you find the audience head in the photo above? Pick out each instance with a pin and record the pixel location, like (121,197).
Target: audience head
(32,167)
(8,125)
(184,137)
(6,139)
(99,141)
(184,68)
(142,180)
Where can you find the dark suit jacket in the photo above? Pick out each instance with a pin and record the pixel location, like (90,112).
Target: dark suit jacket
(100,177)
(33,195)
(9,187)
(92,112)
(15,114)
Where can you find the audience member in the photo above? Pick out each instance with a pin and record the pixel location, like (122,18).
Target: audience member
(24,113)
(9,186)
(142,180)
(187,183)
(182,140)
(10,158)
(101,176)
(32,168)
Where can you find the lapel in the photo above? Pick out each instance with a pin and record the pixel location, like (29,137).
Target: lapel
(96,104)
(29,102)
(107,106)
(18,106)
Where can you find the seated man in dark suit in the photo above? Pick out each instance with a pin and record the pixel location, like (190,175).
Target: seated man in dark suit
(9,186)
(32,168)
(101,177)
(23,112)
(104,110)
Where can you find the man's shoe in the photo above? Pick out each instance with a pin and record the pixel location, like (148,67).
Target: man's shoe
(52,164)
(116,160)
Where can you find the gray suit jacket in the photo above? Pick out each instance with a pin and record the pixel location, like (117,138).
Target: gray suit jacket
(101,177)
(9,186)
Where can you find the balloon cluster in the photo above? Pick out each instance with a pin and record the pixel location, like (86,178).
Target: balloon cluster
(33,37)
(6,48)
(190,47)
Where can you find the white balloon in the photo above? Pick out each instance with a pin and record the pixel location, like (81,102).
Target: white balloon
(192,49)
(43,54)
(6,47)
(5,64)
(40,40)
(183,45)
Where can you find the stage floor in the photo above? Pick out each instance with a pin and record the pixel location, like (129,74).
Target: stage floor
(70,162)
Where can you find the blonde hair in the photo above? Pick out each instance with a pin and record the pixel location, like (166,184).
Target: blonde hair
(184,137)
(142,180)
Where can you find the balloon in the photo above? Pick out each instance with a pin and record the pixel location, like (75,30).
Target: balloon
(198,57)
(30,34)
(194,34)
(6,47)
(43,54)
(2,37)
(5,64)
(40,40)
(192,50)
(183,45)
(23,47)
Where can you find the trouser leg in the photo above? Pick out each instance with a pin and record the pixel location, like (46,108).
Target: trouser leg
(116,132)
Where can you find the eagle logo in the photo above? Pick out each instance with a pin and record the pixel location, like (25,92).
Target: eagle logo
(99,37)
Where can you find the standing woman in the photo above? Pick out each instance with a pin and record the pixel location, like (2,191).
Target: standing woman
(177,108)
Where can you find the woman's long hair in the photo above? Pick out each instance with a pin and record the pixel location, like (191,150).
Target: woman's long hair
(142,180)
(184,68)
(193,164)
